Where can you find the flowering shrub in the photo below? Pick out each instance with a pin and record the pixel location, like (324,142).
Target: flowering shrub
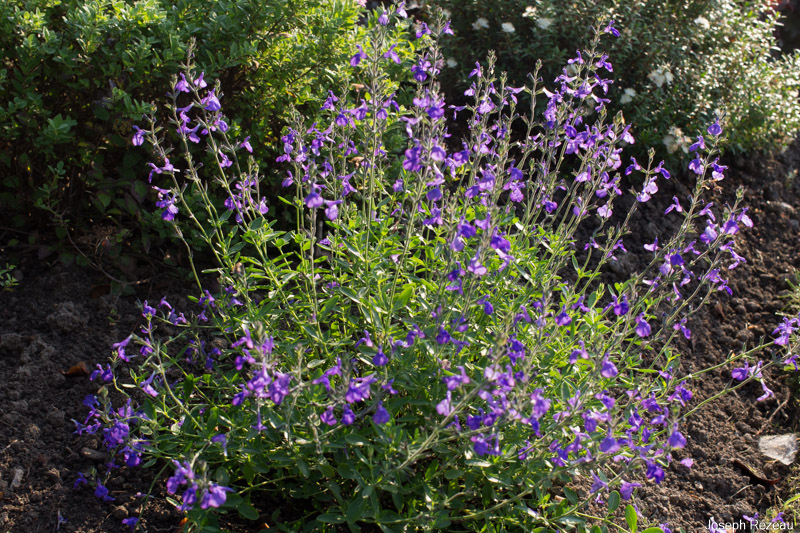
(77,73)
(677,66)
(430,347)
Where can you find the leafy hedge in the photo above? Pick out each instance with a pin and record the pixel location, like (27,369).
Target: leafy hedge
(76,74)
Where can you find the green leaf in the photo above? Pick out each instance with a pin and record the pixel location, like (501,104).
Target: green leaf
(571,496)
(613,501)
(355,510)
(330,518)
(346,471)
(453,474)
(653,530)
(631,518)
(247,511)
(401,300)
(303,467)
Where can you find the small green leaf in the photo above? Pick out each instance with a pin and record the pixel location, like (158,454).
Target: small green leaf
(247,511)
(571,496)
(330,518)
(401,300)
(346,471)
(631,518)
(653,530)
(613,501)
(355,510)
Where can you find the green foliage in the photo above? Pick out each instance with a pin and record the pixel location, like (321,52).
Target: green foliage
(676,64)
(7,279)
(76,74)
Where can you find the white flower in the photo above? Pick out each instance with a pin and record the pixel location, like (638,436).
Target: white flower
(507,27)
(668,77)
(671,143)
(702,22)
(657,77)
(627,96)
(530,11)
(452,63)
(544,23)
(481,23)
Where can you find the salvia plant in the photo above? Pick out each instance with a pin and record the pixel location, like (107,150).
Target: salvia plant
(432,346)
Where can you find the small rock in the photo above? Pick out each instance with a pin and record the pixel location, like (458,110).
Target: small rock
(56,417)
(698,486)
(120,513)
(94,455)
(54,474)
(67,318)
(32,432)
(17,480)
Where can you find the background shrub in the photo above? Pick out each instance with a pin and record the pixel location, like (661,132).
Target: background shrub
(77,73)
(676,64)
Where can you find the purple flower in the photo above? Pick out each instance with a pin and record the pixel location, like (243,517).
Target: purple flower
(699,145)
(654,472)
(381,415)
(314,200)
(215,496)
(359,389)
(138,136)
(182,85)
(279,388)
(676,440)
(445,407)
(626,489)
(715,129)
(608,369)
(540,404)
(563,319)
(102,492)
(211,102)
(246,144)
(380,358)
(598,484)
(348,417)
(740,374)
(609,445)
(642,327)
(696,166)
(130,522)
(80,481)
(327,417)
(611,29)
(356,59)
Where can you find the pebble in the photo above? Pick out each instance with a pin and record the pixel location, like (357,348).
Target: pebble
(120,513)
(32,432)
(698,486)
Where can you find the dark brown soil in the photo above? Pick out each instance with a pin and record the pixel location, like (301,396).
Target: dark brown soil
(59,317)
